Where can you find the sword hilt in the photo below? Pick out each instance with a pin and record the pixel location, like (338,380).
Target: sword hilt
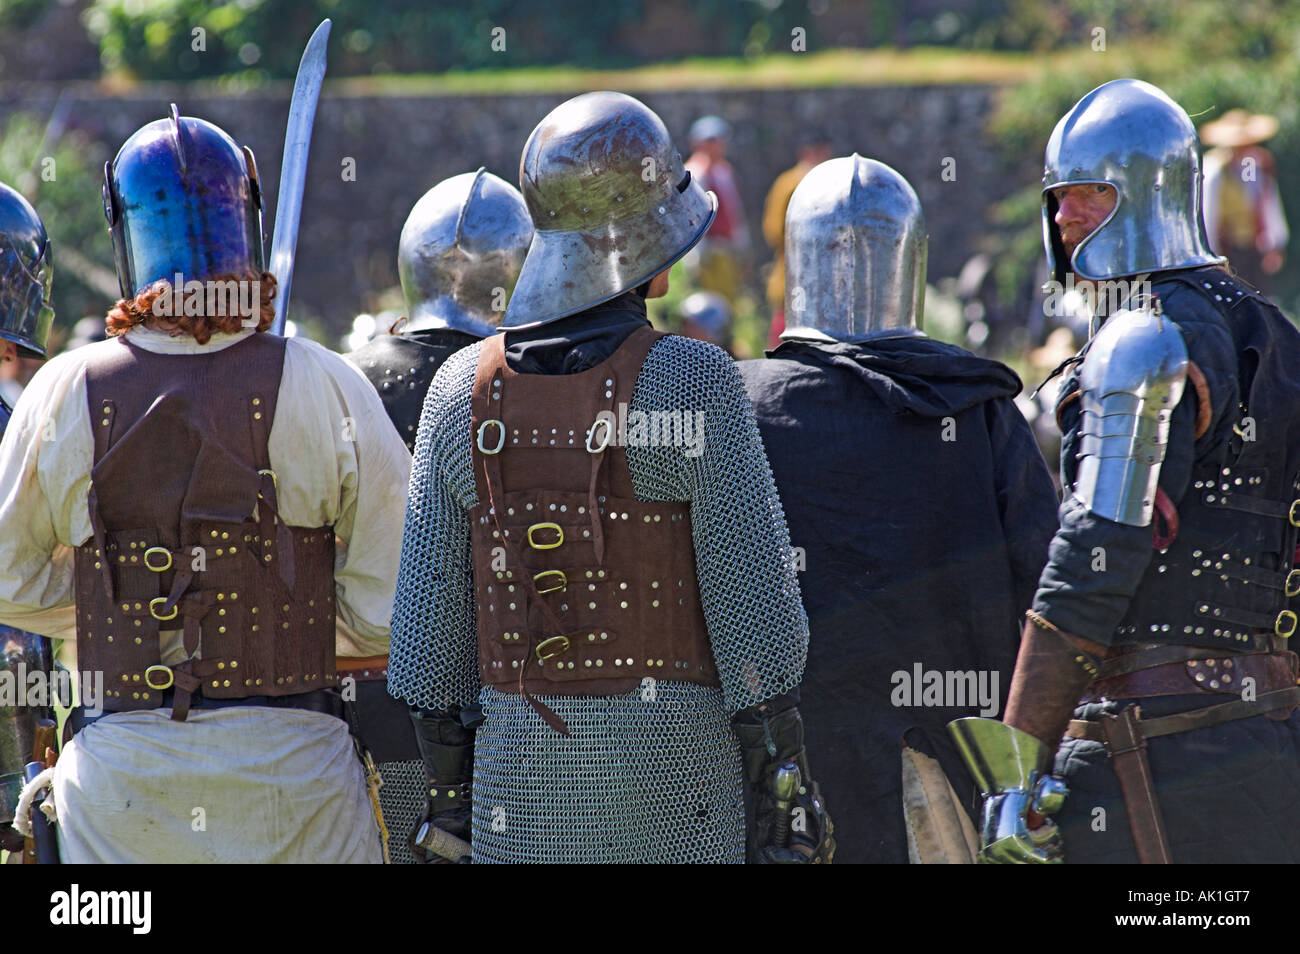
(442,843)
(785,786)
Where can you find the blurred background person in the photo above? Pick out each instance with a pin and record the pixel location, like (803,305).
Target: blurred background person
(814,150)
(722,257)
(1243,210)
(706,316)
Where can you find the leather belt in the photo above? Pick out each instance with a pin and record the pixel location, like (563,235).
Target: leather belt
(1176,670)
(1196,719)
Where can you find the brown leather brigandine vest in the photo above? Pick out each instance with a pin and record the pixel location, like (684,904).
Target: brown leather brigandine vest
(181,466)
(581,589)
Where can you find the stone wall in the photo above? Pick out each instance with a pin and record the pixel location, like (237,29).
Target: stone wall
(401,146)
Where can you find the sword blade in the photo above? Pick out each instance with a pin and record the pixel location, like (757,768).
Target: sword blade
(293,168)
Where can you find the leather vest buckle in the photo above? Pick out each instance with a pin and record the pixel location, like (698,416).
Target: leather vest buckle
(167,555)
(1292,587)
(501,436)
(155,603)
(1293,515)
(1285,624)
(559,643)
(167,674)
(275,481)
(537,581)
(607,435)
(546,526)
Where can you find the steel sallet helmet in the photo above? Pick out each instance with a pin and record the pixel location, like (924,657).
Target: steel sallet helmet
(182,197)
(1131,135)
(25,275)
(461,251)
(855,253)
(611,202)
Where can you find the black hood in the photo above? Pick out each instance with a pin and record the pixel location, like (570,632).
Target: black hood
(914,373)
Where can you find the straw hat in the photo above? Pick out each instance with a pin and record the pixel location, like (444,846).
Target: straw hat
(1237,127)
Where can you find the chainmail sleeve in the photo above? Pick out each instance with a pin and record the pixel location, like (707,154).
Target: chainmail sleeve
(433,661)
(749,590)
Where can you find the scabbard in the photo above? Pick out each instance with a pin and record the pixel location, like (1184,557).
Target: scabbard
(1128,751)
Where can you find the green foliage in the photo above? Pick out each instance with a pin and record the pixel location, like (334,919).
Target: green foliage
(20,14)
(69,205)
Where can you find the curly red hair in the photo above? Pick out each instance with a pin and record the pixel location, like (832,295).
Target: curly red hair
(128,313)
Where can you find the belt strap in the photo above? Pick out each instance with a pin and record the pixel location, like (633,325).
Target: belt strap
(1150,658)
(1128,750)
(1197,718)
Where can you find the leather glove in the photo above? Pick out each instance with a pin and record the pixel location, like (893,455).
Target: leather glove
(446,741)
(787,818)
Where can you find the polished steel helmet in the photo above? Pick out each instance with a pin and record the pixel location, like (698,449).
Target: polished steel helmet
(461,251)
(25,275)
(612,204)
(182,197)
(1131,135)
(855,251)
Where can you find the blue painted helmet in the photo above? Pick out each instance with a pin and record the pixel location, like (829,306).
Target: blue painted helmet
(182,197)
(25,275)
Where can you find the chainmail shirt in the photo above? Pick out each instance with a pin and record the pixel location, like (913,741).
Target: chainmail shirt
(652,775)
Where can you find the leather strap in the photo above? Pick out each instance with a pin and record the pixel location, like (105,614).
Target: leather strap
(1128,750)
(1198,718)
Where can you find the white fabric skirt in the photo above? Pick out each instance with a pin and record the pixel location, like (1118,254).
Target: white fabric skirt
(245,784)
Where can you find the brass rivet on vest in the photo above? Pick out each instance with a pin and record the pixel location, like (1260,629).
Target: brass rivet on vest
(221,629)
(125,677)
(135,559)
(220,552)
(589,574)
(279,680)
(232,596)
(97,565)
(654,603)
(618,662)
(591,606)
(599,573)
(257,415)
(288,678)
(586,533)
(285,607)
(125,607)
(514,664)
(221,665)
(135,695)
(214,534)
(604,635)
(591,637)
(110,639)
(656,518)
(267,558)
(104,422)
(135,622)
(215,684)
(256,401)
(221,612)
(226,683)
(311,620)
(284,625)
(121,559)
(257,682)
(248,682)
(512,605)
(132,544)
(622,586)
(623,604)
(138,641)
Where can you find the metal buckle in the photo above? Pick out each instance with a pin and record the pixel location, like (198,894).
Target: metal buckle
(1292,586)
(564,581)
(154,613)
(545,526)
(1285,616)
(275,481)
(547,642)
(501,436)
(165,552)
(1294,514)
(166,670)
(591,432)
